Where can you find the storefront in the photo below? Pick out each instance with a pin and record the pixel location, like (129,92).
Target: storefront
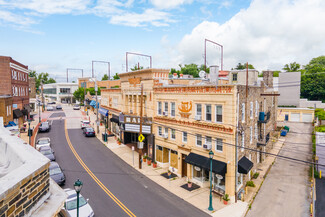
(18,117)
(201,168)
(103,115)
(115,128)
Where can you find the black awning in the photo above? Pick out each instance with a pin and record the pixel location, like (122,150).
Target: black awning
(114,120)
(24,111)
(17,113)
(204,162)
(244,165)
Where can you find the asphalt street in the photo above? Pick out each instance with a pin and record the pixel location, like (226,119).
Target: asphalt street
(138,193)
(285,190)
(320,198)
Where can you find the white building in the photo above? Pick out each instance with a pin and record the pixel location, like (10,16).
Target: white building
(62,92)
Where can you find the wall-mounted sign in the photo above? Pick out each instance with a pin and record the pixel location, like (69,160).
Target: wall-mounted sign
(197,168)
(134,81)
(184,109)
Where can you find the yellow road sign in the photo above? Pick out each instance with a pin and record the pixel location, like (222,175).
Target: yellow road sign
(141,138)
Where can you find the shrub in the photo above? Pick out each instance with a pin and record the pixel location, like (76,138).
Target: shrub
(226,197)
(250,184)
(256,175)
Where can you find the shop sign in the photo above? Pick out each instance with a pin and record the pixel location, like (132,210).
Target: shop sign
(136,128)
(197,168)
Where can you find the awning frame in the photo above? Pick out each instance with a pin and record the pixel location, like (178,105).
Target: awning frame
(218,167)
(244,165)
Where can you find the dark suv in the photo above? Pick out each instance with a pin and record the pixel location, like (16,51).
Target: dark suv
(44,127)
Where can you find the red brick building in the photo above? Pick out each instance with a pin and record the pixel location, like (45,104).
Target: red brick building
(14,82)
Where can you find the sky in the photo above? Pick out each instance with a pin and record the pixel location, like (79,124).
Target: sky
(53,35)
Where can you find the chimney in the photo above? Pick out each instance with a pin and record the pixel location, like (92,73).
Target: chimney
(181,75)
(175,75)
(268,78)
(214,73)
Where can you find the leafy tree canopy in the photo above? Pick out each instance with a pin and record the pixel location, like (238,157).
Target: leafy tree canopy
(105,77)
(41,78)
(79,94)
(292,67)
(135,68)
(243,66)
(189,69)
(116,77)
(316,65)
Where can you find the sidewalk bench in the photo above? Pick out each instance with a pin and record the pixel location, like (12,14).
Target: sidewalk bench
(218,193)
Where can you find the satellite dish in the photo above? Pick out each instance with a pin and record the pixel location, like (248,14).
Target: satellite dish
(202,74)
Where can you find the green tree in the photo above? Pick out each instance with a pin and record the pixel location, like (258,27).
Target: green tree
(313,80)
(79,94)
(32,74)
(292,67)
(275,74)
(190,69)
(93,92)
(41,78)
(243,66)
(116,77)
(105,77)
(135,68)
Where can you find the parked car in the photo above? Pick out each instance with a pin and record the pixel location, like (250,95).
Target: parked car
(56,173)
(47,152)
(43,142)
(89,131)
(76,107)
(44,127)
(70,204)
(52,102)
(49,108)
(84,124)
(59,107)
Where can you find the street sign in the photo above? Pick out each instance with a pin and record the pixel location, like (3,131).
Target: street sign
(141,138)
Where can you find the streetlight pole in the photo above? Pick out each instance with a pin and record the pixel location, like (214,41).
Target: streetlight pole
(77,187)
(210,199)
(29,131)
(39,112)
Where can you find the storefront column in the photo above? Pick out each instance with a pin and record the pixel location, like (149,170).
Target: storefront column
(230,181)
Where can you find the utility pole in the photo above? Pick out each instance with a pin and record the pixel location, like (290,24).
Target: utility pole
(236,146)
(96,90)
(42,97)
(141,104)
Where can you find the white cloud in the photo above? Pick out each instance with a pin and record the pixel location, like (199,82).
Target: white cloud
(268,34)
(149,16)
(8,17)
(169,4)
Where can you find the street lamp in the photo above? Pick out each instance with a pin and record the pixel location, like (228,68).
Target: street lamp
(77,187)
(210,201)
(39,112)
(29,131)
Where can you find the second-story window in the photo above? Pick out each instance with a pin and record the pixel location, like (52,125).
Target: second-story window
(185,137)
(219,144)
(243,141)
(172,109)
(159,108)
(243,112)
(166,108)
(256,108)
(198,110)
(256,131)
(234,77)
(208,116)
(251,135)
(251,110)
(172,134)
(218,113)
(199,140)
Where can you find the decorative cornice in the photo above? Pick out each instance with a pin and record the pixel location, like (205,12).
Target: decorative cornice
(199,124)
(115,90)
(194,89)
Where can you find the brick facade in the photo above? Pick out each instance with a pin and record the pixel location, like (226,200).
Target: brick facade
(21,199)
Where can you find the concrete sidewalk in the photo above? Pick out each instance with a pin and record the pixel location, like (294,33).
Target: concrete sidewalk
(199,197)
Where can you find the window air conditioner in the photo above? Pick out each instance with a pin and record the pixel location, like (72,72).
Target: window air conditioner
(165,113)
(198,117)
(207,146)
(165,135)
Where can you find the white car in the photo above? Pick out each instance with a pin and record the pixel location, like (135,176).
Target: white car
(43,142)
(84,124)
(49,108)
(76,107)
(70,204)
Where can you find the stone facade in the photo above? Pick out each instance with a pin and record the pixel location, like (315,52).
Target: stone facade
(32,87)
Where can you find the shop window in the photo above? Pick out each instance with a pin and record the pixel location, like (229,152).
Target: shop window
(239,180)
(199,140)
(159,152)
(219,183)
(184,137)
(197,173)
(219,144)
(174,159)
(208,113)
(219,113)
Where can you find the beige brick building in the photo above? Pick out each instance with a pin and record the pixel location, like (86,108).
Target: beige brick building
(186,118)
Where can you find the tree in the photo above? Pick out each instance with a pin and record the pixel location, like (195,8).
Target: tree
(313,80)
(135,68)
(292,67)
(79,94)
(116,77)
(41,78)
(243,66)
(105,77)
(32,74)
(275,74)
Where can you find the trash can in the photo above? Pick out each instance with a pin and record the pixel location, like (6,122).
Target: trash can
(284,132)
(286,128)
(104,137)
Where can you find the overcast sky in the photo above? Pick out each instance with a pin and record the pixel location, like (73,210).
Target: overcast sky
(51,36)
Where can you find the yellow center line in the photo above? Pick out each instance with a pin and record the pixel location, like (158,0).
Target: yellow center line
(101,185)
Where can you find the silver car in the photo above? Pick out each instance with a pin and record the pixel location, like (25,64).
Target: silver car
(70,204)
(42,142)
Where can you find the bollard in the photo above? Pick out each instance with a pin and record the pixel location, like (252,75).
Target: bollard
(320,174)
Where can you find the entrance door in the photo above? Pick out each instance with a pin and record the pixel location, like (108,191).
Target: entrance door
(184,166)
(286,117)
